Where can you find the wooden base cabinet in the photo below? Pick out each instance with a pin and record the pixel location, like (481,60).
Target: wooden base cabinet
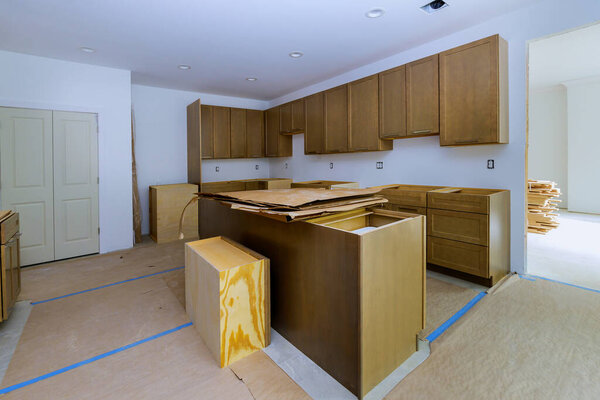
(407,198)
(246,184)
(347,290)
(326,185)
(468,231)
(10,286)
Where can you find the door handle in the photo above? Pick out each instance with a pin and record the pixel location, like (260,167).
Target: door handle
(420,131)
(467,141)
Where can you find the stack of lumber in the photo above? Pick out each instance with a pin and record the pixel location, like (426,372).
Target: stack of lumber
(542,199)
(298,204)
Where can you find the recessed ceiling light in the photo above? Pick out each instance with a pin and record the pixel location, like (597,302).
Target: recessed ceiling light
(87,49)
(251,79)
(435,5)
(374,13)
(184,67)
(296,54)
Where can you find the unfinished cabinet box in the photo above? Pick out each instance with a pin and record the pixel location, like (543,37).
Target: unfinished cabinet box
(347,290)
(468,232)
(326,184)
(10,273)
(474,93)
(227,297)
(166,204)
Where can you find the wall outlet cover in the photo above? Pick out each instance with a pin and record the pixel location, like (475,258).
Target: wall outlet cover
(330,165)
(490,164)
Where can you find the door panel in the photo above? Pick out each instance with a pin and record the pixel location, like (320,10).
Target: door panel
(75,184)
(27,179)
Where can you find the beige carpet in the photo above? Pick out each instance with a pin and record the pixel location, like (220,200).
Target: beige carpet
(443,301)
(526,340)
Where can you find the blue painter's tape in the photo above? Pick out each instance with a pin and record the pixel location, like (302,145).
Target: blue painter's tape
(105,286)
(565,283)
(527,278)
(90,360)
(442,328)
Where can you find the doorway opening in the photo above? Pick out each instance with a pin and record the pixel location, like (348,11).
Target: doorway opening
(563,165)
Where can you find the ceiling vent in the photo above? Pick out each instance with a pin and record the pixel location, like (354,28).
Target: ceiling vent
(435,5)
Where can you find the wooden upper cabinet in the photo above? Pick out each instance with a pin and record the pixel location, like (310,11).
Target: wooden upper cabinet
(238,133)
(292,117)
(277,145)
(392,103)
(221,131)
(423,97)
(208,144)
(314,133)
(363,113)
(255,133)
(474,93)
(336,119)
(194,142)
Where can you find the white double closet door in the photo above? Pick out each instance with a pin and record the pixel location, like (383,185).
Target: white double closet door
(49,175)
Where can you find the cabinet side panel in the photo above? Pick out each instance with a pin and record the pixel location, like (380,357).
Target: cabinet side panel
(499,249)
(392,274)
(194,143)
(503,88)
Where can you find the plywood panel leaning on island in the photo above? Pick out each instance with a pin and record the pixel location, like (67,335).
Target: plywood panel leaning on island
(348,289)
(166,204)
(227,297)
(326,184)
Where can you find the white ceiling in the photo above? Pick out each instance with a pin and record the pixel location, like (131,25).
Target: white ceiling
(565,57)
(226,41)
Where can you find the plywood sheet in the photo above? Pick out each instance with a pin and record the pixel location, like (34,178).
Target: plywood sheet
(526,340)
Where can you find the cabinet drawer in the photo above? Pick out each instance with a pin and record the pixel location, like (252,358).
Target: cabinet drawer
(456,225)
(464,257)
(459,201)
(405,198)
(406,209)
(226,186)
(9,227)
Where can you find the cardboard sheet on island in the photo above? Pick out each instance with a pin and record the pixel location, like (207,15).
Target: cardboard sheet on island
(289,198)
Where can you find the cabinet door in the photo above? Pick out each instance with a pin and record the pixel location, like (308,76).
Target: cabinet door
(206,122)
(364,114)
(238,133)
(298,116)
(285,118)
(392,103)
(469,93)
(272,132)
(255,133)
(336,119)
(221,129)
(314,124)
(423,97)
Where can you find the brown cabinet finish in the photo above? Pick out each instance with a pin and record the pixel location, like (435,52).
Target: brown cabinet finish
(392,103)
(463,257)
(238,133)
(456,225)
(194,142)
(423,97)
(298,116)
(336,119)
(208,143)
(292,117)
(221,132)
(314,135)
(363,108)
(285,118)
(255,133)
(10,271)
(277,145)
(474,93)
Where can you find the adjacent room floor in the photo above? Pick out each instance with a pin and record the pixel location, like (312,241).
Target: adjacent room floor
(570,253)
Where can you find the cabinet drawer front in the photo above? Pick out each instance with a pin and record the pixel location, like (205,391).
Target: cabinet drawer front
(461,226)
(459,202)
(9,227)
(464,257)
(405,198)
(406,209)
(219,187)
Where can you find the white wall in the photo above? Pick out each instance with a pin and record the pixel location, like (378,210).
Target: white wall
(161,141)
(583,99)
(422,160)
(37,82)
(548,137)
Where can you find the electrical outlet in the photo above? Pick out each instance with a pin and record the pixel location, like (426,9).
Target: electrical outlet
(256,167)
(490,164)
(379,165)
(285,165)
(216,169)
(330,165)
